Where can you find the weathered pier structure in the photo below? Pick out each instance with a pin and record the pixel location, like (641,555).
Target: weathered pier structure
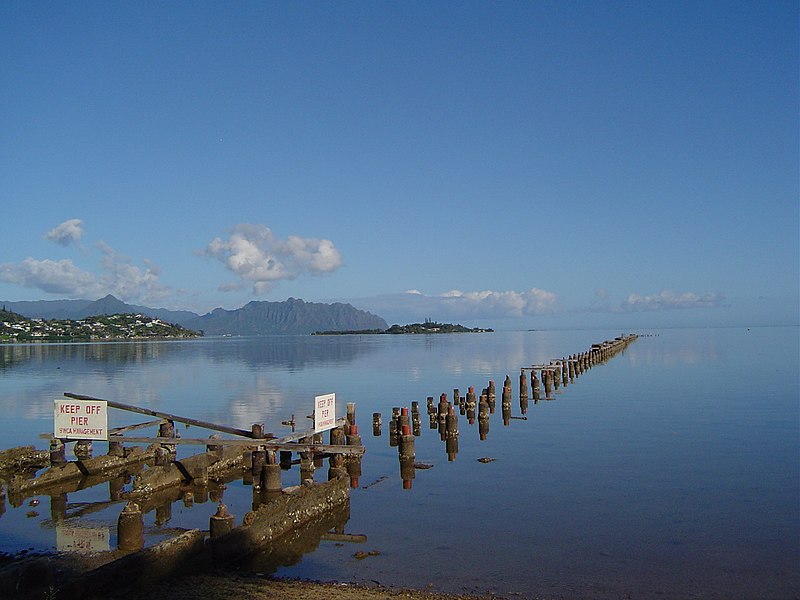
(152,478)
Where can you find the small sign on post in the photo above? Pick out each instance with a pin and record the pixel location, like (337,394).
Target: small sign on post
(81,419)
(324,412)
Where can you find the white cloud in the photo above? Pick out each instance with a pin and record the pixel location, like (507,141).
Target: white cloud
(125,280)
(117,275)
(456,304)
(66,233)
(501,304)
(52,276)
(260,259)
(670,300)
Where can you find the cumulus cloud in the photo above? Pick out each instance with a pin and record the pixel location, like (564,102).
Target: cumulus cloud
(126,280)
(460,305)
(671,300)
(116,275)
(52,276)
(260,259)
(66,233)
(501,304)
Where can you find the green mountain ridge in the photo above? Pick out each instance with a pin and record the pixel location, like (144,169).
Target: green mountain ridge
(290,317)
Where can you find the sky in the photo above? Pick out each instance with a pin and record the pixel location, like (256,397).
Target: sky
(516,165)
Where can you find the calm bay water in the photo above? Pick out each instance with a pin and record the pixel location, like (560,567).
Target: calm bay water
(673,470)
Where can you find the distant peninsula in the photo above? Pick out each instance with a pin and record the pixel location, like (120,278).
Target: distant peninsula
(16,328)
(413,328)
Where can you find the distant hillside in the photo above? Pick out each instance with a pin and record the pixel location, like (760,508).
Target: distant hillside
(17,328)
(80,309)
(255,318)
(290,317)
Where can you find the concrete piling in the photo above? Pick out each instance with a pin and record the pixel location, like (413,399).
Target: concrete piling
(286,459)
(547,377)
(451,443)
(483,417)
(82,449)
(353,461)
(523,385)
(376,424)
(471,405)
(271,478)
(416,420)
(406,451)
(257,461)
(130,528)
(221,522)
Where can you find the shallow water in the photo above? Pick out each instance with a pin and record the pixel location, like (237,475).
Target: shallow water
(670,470)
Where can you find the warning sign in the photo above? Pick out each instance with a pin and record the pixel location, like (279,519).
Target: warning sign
(324,412)
(81,419)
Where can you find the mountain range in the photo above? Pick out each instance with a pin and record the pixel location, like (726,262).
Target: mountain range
(291,317)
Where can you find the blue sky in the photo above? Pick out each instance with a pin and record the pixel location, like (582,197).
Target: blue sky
(516,164)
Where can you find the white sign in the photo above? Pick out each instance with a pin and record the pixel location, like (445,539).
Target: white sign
(324,412)
(81,419)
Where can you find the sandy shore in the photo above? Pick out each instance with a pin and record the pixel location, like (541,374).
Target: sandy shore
(226,587)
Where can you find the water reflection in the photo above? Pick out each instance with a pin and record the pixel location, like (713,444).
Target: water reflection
(286,352)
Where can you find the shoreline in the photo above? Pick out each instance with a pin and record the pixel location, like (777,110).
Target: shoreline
(225,585)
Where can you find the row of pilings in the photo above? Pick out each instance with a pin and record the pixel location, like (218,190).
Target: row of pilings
(545,380)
